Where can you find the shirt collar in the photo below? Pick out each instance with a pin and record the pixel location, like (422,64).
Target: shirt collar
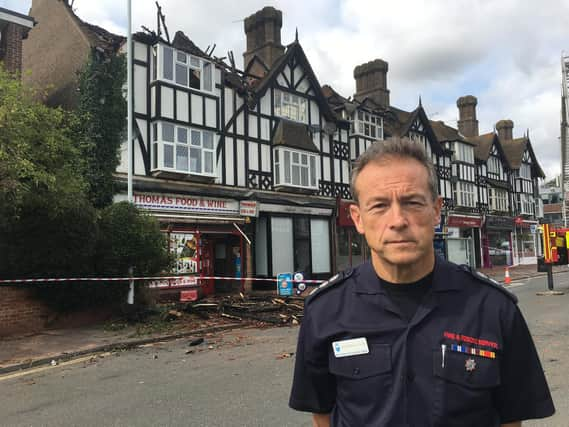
(445,278)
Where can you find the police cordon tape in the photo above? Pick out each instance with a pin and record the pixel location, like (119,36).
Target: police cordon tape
(167,278)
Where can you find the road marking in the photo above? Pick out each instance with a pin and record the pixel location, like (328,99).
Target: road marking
(46,368)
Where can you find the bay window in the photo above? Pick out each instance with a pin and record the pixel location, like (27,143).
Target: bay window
(182,149)
(498,199)
(295,168)
(465,194)
(367,124)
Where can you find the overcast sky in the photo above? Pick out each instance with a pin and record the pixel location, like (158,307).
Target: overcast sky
(506,53)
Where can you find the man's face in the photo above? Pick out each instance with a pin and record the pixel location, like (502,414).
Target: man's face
(396,213)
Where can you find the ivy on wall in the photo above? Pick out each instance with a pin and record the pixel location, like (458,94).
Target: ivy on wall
(102,107)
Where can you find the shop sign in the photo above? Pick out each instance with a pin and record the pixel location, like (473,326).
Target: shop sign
(522,223)
(440,227)
(344,217)
(248,208)
(493,222)
(302,210)
(464,221)
(533,228)
(185,204)
(284,284)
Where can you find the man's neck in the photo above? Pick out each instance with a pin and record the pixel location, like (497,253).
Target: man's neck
(395,273)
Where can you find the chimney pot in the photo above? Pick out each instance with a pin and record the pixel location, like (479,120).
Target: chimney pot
(467,122)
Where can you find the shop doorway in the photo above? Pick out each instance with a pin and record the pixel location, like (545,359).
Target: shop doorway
(461,251)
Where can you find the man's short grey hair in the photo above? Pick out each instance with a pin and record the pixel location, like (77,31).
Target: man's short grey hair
(395,147)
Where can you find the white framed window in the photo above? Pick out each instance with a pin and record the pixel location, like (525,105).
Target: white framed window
(183,149)
(295,168)
(184,69)
(367,124)
(525,171)
(526,204)
(498,199)
(463,153)
(465,194)
(291,106)
(494,165)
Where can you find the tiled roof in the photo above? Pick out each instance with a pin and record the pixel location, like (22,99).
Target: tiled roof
(446,133)
(514,151)
(482,145)
(294,135)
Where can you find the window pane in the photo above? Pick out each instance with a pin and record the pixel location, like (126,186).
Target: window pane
(320,245)
(207,76)
(295,157)
(207,140)
(168,61)
(208,162)
(196,138)
(182,135)
(182,157)
(181,57)
(277,174)
(304,177)
(154,155)
(312,171)
(276,156)
(194,62)
(167,132)
(168,156)
(195,160)
(195,78)
(181,74)
(282,245)
(304,159)
(295,175)
(287,167)
(261,253)
(155,132)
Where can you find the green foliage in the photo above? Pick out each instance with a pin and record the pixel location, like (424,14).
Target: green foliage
(38,155)
(102,108)
(127,238)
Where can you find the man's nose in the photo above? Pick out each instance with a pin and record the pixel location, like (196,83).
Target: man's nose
(398,219)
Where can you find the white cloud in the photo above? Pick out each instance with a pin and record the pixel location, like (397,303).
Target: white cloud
(505,53)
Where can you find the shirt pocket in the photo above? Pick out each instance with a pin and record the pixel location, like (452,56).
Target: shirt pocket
(365,378)
(464,388)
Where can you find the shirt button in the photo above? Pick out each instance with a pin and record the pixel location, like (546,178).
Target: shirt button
(356,371)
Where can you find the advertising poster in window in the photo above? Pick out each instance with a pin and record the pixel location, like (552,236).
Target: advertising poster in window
(184,247)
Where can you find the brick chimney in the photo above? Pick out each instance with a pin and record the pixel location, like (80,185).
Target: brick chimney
(263,31)
(371,82)
(11,46)
(505,129)
(467,122)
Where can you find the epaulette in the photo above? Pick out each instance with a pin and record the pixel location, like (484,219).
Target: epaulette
(481,277)
(328,284)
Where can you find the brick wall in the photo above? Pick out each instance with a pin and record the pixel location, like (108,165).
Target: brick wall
(20,312)
(11,47)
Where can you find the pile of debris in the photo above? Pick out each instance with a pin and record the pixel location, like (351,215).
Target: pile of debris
(261,308)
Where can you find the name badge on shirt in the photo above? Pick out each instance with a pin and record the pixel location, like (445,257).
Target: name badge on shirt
(351,347)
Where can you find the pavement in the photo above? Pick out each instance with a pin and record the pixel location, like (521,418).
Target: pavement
(58,345)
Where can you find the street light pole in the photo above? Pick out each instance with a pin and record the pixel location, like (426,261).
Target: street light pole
(129,100)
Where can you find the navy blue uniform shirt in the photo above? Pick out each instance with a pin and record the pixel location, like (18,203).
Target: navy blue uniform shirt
(488,373)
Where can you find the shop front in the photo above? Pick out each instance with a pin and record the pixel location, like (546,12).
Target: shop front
(463,239)
(526,241)
(207,237)
(497,241)
(293,239)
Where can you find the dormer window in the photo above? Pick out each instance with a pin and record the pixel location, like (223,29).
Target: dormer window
(368,125)
(463,153)
(291,106)
(184,69)
(525,171)
(295,168)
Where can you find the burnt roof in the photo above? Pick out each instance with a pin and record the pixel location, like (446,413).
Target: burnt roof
(98,37)
(183,43)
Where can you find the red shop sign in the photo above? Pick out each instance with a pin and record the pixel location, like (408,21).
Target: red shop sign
(463,221)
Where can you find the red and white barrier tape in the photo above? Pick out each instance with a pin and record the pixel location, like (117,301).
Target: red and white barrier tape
(122,279)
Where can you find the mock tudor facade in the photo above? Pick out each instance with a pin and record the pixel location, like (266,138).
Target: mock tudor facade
(248,170)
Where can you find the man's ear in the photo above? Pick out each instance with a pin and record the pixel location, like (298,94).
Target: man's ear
(356,217)
(438,206)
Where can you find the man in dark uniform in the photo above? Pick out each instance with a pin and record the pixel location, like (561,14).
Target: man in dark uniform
(409,339)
